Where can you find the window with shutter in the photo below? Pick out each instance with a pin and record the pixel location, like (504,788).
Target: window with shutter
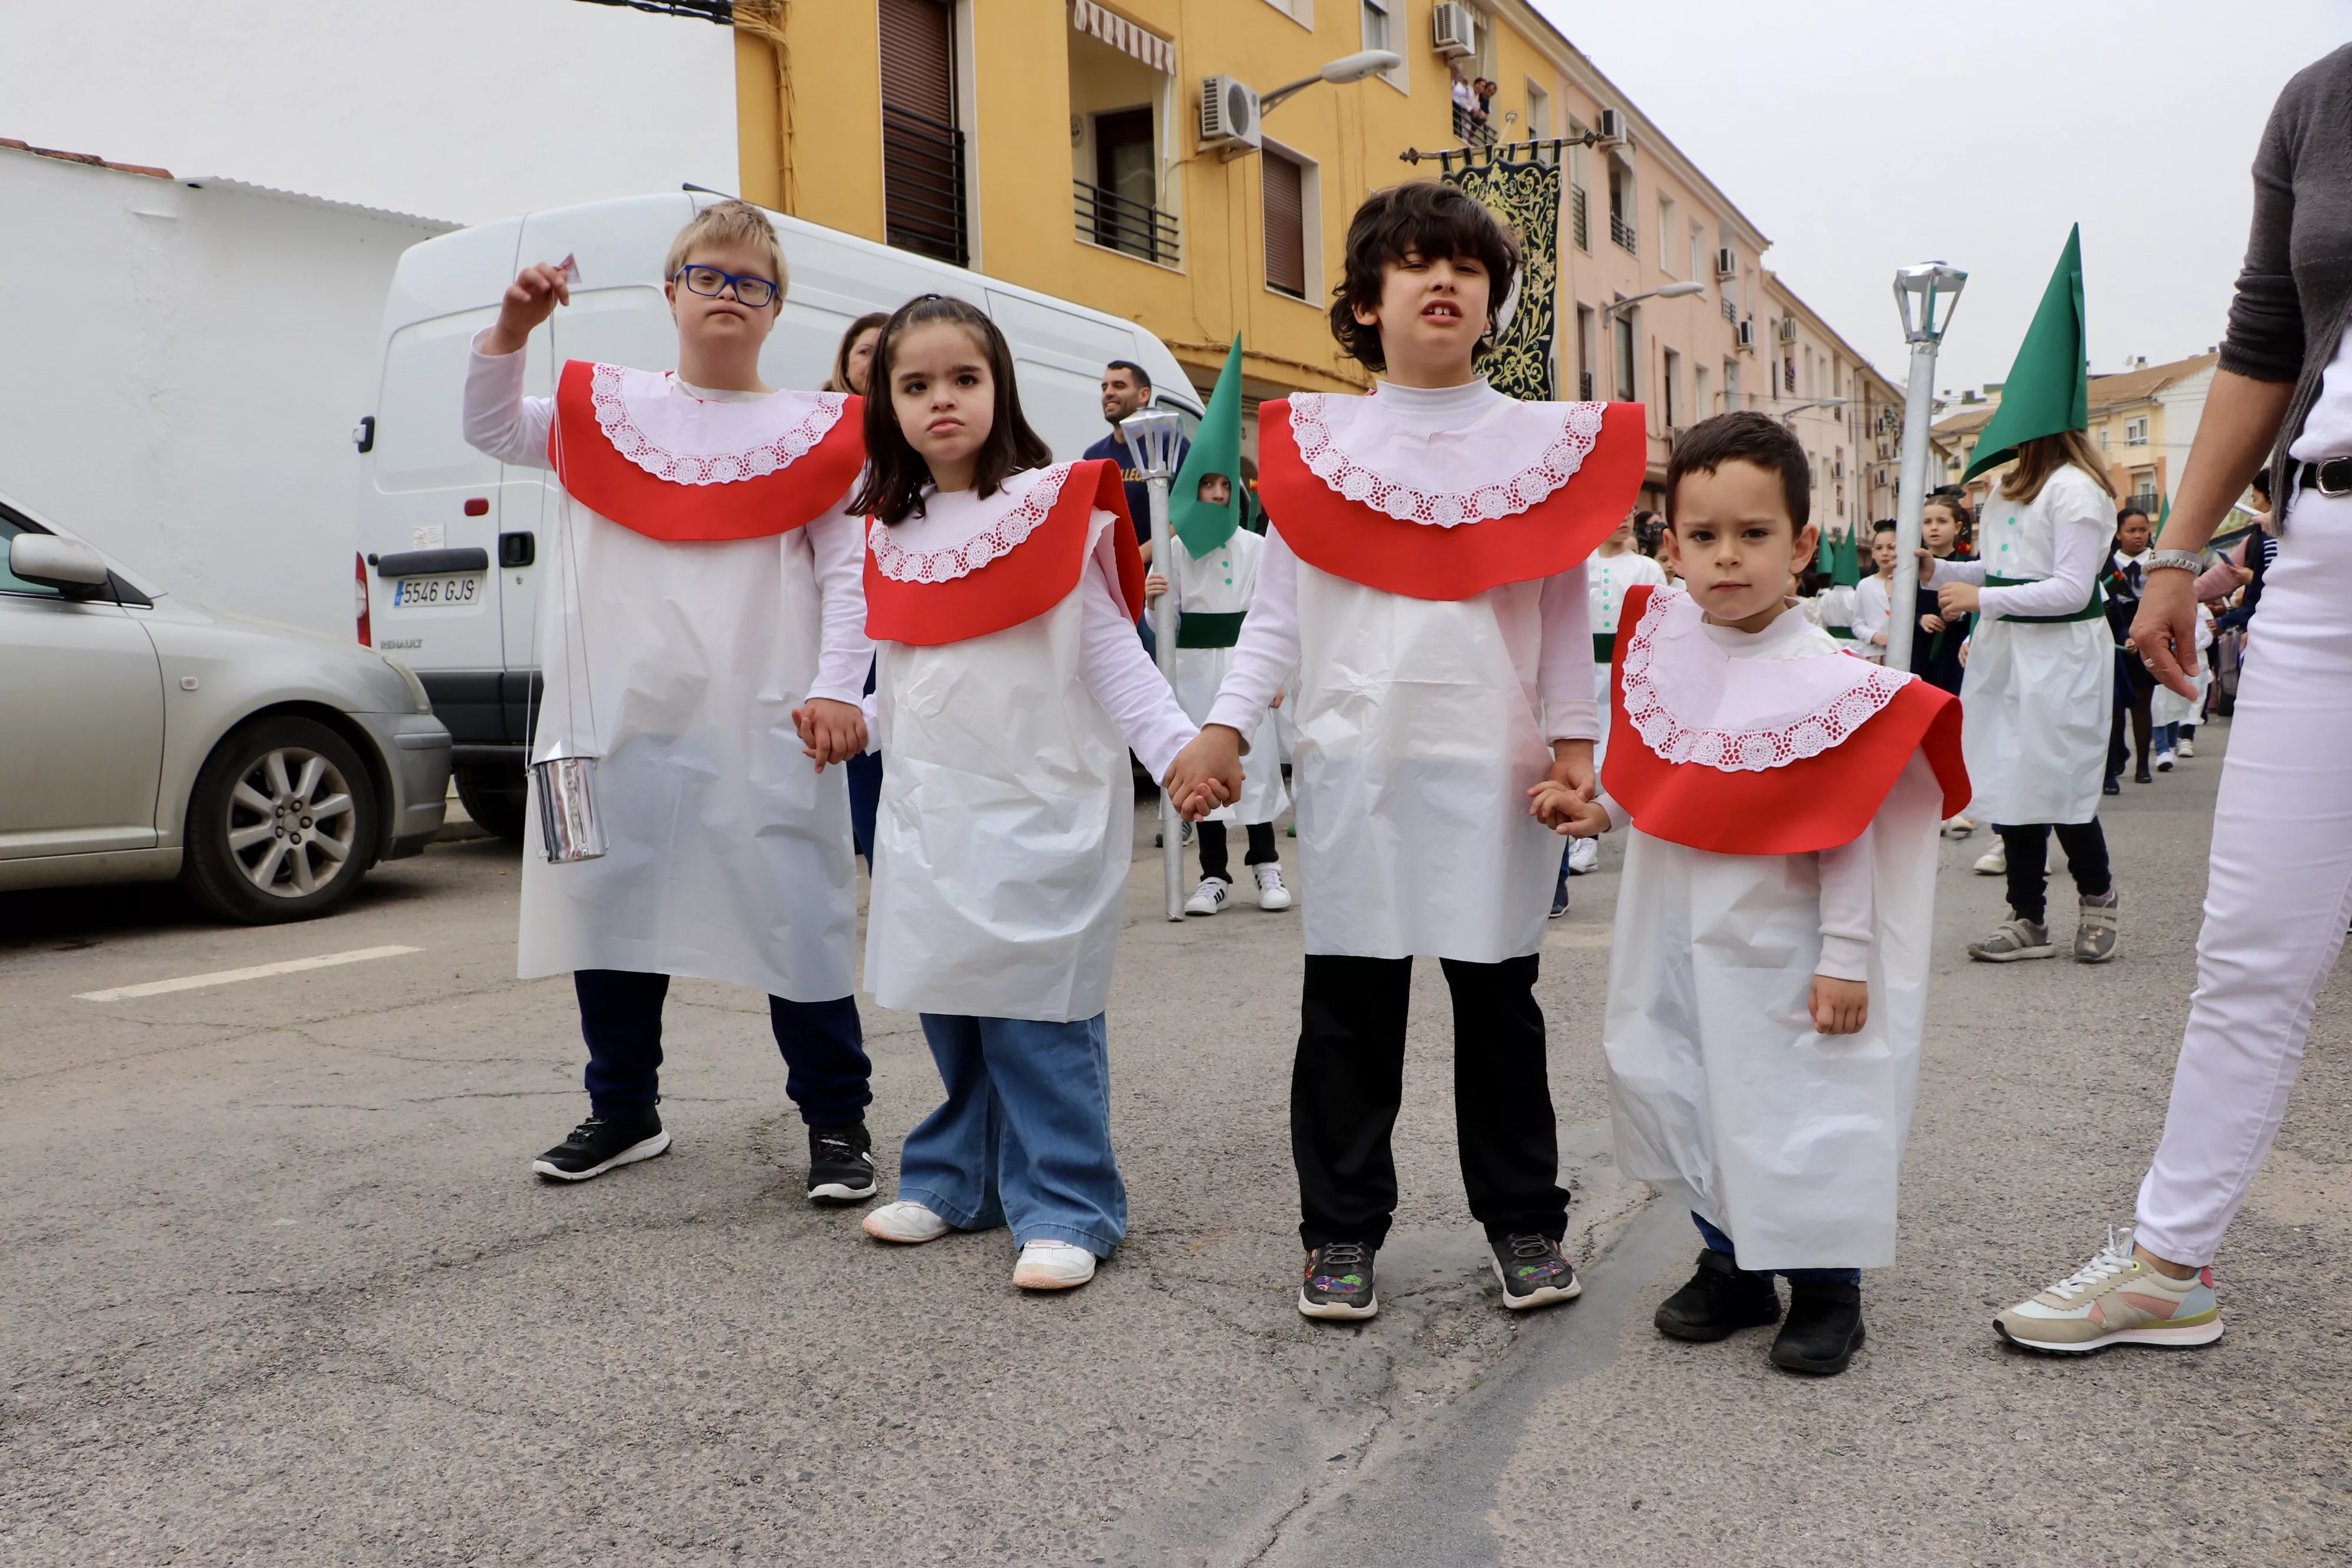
(1286,227)
(922,149)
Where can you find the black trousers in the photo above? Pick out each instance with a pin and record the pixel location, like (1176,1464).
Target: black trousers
(2028,849)
(2134,688)
(826,1069)
(1212,849)
(1348,1082)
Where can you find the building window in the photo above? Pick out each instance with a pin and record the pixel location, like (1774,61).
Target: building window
(1539,113)
(2103,438)
(922,149)
(1670,388)
(2136,431)
(1584,353)
(1699,407)
(1285,225)
(1625,333)
(1731,385)
(1379,29)
(1620,203)
(1118,208)
(1666,246)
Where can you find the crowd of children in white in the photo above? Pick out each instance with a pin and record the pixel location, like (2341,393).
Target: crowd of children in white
(1446,619)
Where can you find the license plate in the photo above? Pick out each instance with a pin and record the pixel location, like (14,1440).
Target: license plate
(419,591)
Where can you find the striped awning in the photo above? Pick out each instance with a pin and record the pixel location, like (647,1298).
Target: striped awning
(1097,22)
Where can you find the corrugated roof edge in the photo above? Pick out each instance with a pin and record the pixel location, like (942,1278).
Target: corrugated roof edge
(222,182)
(90,158)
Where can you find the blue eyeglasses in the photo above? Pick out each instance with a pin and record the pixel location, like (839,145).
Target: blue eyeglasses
(757,292)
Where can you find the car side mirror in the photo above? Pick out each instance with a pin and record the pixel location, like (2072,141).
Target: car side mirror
(66,564)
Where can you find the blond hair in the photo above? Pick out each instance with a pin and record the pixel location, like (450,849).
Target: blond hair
(2044,456)
(730,223)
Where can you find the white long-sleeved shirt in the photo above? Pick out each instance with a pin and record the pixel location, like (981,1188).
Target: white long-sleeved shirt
(500,422)
(1268,650)
(2077,553)
(1112,664)
(1848,903)
(1870,615)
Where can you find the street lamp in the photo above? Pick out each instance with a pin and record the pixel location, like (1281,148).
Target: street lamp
(1345,69)
(1152,434)
(1682,291)
(1922,288)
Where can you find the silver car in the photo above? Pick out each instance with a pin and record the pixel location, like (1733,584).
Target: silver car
(144,737)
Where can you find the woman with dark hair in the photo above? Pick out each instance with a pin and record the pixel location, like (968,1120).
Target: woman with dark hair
(851,359)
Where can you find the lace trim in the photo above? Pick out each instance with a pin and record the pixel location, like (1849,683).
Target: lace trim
(1553,467)
(900,564)
(721,468)
(1742,750)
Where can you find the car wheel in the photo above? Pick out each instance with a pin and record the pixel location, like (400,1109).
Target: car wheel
(281,824)
(493,798)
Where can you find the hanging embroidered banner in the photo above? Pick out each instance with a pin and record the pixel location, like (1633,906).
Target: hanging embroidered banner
(1525,196)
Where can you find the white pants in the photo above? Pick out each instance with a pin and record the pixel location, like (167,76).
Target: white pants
(2278,893)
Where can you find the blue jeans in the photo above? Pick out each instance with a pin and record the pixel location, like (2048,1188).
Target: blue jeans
(1718,1242)
(1024,1136)
(2168,737)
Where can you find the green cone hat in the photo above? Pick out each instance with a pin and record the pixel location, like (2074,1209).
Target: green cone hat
(1216,449)
(2049,388)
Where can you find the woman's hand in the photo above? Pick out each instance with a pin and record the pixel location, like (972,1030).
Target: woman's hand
(830,731)
(1931,624)
(1957,599)
(1840,1006)
(2165,630)
(530,299)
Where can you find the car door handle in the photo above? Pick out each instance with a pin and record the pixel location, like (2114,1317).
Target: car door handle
(517,549)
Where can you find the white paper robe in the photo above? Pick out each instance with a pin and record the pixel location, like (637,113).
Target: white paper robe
(676,666)
(1607,579)
(2037,699)
(1220,583)
(1722,1093)
(2167,706)
(1006,826)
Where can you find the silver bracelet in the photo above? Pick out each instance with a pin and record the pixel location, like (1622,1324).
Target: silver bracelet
(2188,561)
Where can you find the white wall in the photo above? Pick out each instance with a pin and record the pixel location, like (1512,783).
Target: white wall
(465,110)
(185,367)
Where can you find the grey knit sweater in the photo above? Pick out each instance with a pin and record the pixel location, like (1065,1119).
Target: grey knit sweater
(2294,295)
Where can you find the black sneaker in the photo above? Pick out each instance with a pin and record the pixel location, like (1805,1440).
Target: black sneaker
(1339,1282)
(1533,1272)
(841,1164)
(1720,1299)
(1824,1328)
(597,1146)
(1560,898)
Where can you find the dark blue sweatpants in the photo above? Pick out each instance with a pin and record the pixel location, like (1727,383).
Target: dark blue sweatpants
(824,1046)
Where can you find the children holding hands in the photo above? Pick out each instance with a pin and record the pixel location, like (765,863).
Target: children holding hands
(1767,984)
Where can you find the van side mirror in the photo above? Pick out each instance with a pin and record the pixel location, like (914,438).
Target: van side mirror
(66,565)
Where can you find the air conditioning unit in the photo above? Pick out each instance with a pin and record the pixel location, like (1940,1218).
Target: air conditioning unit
(1229,116)
(1788,329)
(1454,29)
(1747,334)
(1726,263)
(1615,127)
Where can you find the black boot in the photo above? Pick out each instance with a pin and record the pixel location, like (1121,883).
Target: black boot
(1720,1299)
(1824,1328)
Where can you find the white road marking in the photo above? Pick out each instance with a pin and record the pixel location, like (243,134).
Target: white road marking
(227,976)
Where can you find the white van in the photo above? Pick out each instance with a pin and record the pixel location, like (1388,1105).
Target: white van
(436,516)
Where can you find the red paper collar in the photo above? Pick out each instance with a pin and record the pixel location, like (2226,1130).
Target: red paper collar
(600,478)
(1021,584)
(1349,539)
(1816,804)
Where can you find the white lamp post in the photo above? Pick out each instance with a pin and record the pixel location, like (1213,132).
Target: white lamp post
(1345,69)
(1152,434)
(1918,290)
(1682,291)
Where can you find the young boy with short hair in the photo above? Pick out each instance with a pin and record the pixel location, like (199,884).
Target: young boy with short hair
(1767,984)
(1424,578)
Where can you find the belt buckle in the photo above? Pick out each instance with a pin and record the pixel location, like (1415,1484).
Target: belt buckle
(2340,469)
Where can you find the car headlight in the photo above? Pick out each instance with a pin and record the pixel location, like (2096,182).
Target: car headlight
(416,692)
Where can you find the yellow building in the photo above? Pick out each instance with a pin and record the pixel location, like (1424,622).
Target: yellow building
(943,126)
(2143,421)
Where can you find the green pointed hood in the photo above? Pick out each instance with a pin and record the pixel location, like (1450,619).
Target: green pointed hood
(1847,570)
(2049,387)
(1216,449)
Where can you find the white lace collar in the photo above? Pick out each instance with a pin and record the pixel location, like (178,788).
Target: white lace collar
(1503,463)
(652,420)
(960,533)
(1743,702)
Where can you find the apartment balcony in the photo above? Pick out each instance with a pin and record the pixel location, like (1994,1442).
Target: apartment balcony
(1730,310)
(1584,385)
(1623,233)
(1121,223)
(922,186)
(1579,218)
(1470,129)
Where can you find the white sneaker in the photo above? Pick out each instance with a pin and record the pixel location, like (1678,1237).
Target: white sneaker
(1052,1266)
(1271,893)
(1995,864)
(1959,827)
(1583,856)
(909,1224)
(2164,761)
(2187,747)
(1213,896)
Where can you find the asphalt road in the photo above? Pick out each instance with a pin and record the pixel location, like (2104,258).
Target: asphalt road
(279,1290)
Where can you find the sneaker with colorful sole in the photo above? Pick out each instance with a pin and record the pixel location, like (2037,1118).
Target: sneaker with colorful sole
(2116,1298)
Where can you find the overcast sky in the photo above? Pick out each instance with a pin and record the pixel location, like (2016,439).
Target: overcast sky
(1864,136)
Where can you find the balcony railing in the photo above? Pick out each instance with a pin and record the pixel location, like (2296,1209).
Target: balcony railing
(1730,309)
(1624,235)
(1584,385)
(1579,218)
(922,186)
(1472,130)
(1122,223)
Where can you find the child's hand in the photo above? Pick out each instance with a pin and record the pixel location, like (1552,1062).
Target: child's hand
(1879,638)
(1154,585)
(1278,700)
(530,299)
(830,731)
(1571,765)
(1207,772)
(1840,1006)
(1563,810)
(1931,623)
(1956,598)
